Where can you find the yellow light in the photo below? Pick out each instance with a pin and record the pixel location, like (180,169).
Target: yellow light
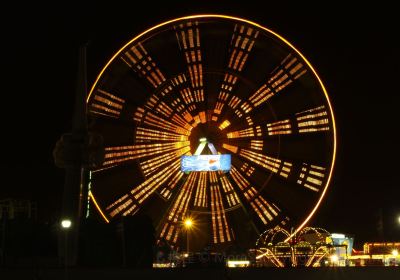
(98,207)
(66,223)
(188,223)
(238,263)
(334,258)
(395,253)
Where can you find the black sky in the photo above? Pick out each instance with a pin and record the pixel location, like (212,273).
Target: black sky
(355,50)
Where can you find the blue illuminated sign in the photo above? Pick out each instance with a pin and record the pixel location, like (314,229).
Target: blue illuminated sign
(206,163)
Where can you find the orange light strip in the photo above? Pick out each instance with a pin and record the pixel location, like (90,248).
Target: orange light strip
(247,169)
(201,193)
(275,165)
(224,125)
(156,121)
(153,164)
(256,144)
(166,191)
(138,59)
(107,104)
(218,214)
(172,227)
(311,176)
(231,148)
(289,70)
(119,154)
(266,211)
(147,135)
(230,193)
(248,132)
(313,120)
(98,207)
(188,35)
(242,42)
(141,192)
(279,128)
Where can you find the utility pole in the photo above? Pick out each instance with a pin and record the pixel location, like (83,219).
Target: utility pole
(74,170)
(76,152)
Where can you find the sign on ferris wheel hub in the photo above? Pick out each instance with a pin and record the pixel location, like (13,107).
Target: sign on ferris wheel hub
(198,162)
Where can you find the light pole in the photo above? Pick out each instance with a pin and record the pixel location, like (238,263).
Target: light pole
(188,225)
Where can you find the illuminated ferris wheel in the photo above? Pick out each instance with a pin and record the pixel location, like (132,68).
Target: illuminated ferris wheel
(240,86)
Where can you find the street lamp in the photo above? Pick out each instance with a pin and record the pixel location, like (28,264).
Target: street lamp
(188,225)
(66,223)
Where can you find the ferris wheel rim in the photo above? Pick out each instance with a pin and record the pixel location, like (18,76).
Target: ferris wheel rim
(269,31)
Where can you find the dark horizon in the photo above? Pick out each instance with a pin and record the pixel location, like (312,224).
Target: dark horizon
(354,54)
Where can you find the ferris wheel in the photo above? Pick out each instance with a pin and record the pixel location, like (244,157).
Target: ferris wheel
(240,86)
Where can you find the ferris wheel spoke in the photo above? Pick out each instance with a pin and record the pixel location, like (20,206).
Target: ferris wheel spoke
(154,120)
(173,182)
(117,155)
(188,36)
(242,42)
(146,135)
(106,104)
(265,210)
(172,225)
(230,194)
(311,177)
(274,165)
(130,203)
(201,198)
(220,226)
(290,69)
(154,164)
(141,62)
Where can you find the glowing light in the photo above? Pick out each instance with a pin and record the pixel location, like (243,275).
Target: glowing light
(188,223)
(334,258)
(203,139)
(224,125)
(306,176)
(238,263)
(171,229)
(66,223)
(288,71)
(395,253)
(313,120)
(337,235)
(98,207)
(231,148)
(279,127)
(138,59)
(106,104)
(219,222)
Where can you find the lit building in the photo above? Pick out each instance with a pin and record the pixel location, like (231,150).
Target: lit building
(377,253)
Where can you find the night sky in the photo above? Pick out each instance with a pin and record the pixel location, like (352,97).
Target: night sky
(355,51)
